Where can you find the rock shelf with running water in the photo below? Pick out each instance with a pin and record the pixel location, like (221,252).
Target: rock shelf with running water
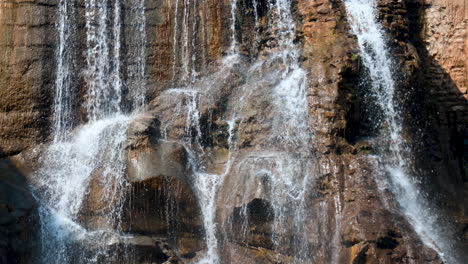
(234,131)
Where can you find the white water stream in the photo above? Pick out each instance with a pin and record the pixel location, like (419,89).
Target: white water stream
(92,151)
(285,153)
(136,84)
(285,157)
(62,101)
(396,156)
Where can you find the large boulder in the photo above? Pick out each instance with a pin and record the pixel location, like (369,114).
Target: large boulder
(156,196)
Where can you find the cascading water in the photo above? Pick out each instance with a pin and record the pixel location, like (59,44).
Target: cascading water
(136,83)
(104,86)
(68,169)
(263,141)
(285,158)
(174,39)
(206,184)
(396,154)
(186,48)
(233,47)
(62,100)
(285,154)
(286,146)
(93,152)
(233,51)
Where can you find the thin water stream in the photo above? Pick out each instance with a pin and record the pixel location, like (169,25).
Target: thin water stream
(63,98)
(395,156)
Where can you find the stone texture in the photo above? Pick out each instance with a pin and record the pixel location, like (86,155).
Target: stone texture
(158,199)
(359,224)
(166,23)
(445,36)
(27,67)
(445,56)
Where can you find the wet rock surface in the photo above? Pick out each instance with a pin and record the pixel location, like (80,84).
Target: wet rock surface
(349,216)
(159,200)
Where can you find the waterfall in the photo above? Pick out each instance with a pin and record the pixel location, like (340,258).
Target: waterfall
(91,153)
(234,107)
(136,71)
(64,179)
(287,158)
(104,86)
(395,156)
(62,100)
(174,39)
(206,184)
(233,47)
(116,81)
(284,155)
(233,51)
(278,169)
(186,39)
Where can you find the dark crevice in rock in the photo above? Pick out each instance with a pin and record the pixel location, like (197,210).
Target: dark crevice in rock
(251,224)
(350,243)
(361,257)
(362,106)
(386,242)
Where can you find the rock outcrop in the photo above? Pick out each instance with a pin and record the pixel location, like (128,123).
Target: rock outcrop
(156,203)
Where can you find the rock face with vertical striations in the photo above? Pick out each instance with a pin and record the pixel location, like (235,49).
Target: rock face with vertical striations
(193,115)
(444,58)
(445,37)
(27,68)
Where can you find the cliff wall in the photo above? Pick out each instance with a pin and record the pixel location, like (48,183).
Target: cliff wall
(186,41)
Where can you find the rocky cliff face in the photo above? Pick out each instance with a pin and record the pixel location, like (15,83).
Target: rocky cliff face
(26,80)
(26,72)
(444,36)
(349,219)
(444,56)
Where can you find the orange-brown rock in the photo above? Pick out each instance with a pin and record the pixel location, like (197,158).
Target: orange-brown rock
(445,35)
(26,72)
(156,198)
(358,223)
